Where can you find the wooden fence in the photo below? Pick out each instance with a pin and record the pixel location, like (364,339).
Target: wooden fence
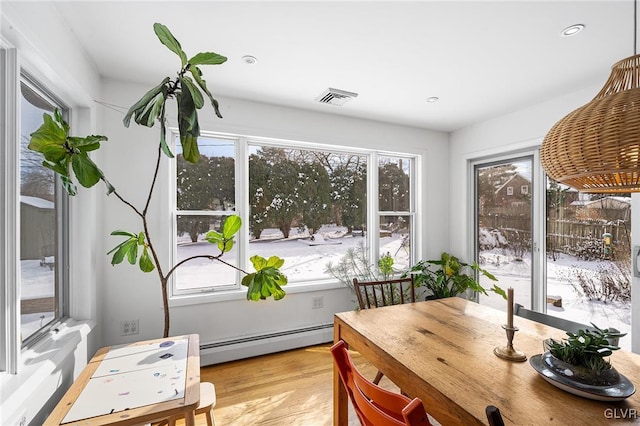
(563,236)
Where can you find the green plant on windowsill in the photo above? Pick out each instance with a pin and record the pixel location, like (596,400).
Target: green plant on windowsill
(449,277)
(65,154)
(355,263)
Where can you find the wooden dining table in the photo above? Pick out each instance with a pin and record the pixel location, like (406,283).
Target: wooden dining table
(134,384)
(442,352)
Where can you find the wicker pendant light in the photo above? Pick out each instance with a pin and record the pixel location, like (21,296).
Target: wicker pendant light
(596,148)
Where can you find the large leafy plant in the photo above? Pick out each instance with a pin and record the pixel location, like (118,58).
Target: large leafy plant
(68,156)
(448,277)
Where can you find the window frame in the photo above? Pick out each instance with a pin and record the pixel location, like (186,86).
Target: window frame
(243,142)
(9,210)
(61,290)
(11,344)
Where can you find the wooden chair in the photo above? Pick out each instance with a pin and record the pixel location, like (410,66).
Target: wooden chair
(374,294)
(494,416)
(207,402)
(561,323)
(374,405)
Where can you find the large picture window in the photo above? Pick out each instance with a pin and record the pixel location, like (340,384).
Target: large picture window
(307,204)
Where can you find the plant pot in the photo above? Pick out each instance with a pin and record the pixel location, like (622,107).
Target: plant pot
(580,374)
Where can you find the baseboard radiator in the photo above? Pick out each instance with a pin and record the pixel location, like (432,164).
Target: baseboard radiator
(250,346)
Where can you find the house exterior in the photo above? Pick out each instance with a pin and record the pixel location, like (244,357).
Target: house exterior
(515,192)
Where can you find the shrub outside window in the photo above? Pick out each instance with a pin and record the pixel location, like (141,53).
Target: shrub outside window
(306,204)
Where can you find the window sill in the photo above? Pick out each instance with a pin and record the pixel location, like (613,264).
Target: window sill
(41,371)
(239,294)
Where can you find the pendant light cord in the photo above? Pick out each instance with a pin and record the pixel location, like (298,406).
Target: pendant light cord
(635,26)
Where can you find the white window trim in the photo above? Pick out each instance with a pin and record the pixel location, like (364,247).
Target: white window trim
(9,210)
(242,210)
(538,214)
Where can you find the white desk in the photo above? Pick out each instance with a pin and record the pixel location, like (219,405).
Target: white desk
(135,383)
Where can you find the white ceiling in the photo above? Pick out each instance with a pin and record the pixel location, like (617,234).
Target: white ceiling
(480,58)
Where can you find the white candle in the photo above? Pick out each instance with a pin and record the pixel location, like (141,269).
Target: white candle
(510,307)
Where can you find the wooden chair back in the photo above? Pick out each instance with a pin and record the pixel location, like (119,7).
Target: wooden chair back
(561,323)
(374,405)
(373,294)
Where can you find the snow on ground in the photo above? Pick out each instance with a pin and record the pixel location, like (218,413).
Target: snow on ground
(303,260)
(516,274)
(37,281)
(307,261)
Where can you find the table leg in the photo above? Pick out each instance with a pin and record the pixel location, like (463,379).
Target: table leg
(190,418)
(340,398)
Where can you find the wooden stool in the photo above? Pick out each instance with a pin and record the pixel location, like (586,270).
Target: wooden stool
(207,402)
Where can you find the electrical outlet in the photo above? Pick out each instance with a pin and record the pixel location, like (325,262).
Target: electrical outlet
(317,302)
(129,327)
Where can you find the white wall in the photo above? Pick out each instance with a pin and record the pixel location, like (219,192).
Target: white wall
(49,52)
(519,130)
(128,157)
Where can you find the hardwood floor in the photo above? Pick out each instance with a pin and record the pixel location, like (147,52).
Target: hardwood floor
(292,388)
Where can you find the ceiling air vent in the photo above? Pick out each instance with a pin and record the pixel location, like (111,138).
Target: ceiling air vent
(335,96)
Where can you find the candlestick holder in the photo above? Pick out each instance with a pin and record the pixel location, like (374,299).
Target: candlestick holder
(508,352)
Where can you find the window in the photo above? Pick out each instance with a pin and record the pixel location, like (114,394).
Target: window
(565,253)
(42,232)
(504,229)
(303,203)
(395,209)
(205,195)
(524,189)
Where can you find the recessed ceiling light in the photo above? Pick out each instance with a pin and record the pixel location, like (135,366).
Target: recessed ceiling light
(433,99)
(572,30)
(248,59)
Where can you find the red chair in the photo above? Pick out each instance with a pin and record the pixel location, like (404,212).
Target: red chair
(374,405)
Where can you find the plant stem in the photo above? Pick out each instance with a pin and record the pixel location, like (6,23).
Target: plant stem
(205,256)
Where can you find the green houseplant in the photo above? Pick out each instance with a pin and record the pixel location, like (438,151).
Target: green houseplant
(68,156)
(356,264)
(448,277)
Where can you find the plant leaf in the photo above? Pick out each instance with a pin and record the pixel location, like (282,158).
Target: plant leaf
(163,134)
(144,100)
(85,170)
(196,95)
(132,252)
(214,237)
(68,185)
(232,225)
(166,38)
(146,264)
(197,76)
(207,58)
(124,233)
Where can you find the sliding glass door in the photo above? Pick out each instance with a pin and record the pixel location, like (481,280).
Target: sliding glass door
(504,227)
(564,252)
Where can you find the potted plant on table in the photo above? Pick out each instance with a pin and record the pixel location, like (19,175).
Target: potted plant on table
(68,156)
(449,277)
(582,356)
